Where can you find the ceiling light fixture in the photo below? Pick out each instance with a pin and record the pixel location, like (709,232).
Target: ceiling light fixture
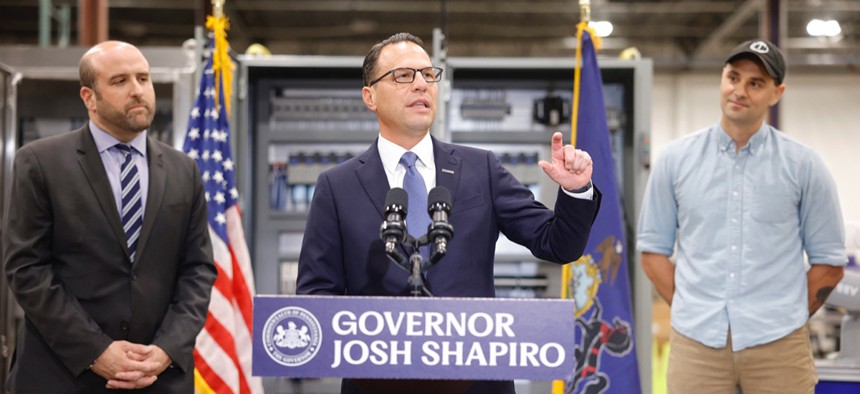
(601,28)
(823,28)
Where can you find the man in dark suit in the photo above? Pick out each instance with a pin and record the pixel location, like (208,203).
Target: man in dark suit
(342,253)
(106,245)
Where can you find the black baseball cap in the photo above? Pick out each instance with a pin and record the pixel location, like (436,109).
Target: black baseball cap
(769,55)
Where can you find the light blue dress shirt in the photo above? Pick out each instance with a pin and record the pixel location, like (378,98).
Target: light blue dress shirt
(742,221)
(112,159)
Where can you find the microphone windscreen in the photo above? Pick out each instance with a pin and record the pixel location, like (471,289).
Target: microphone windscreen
(439,194)
(397,196)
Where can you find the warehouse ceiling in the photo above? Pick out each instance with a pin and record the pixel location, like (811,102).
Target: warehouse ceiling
(675,33)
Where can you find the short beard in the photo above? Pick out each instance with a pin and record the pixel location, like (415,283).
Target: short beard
(119,119)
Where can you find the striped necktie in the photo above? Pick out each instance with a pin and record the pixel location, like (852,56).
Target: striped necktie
(417,219)
(132,207)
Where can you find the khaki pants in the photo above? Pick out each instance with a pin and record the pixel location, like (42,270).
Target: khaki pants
(781,366)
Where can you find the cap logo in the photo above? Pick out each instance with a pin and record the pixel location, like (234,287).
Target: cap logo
(760,47)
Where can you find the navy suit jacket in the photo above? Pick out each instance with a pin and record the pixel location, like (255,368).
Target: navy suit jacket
(342,253)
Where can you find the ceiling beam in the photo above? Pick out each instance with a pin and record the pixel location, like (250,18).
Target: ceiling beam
(238,35)
(804,6)
(731,24)
(467,31)
(470,6)
(482,7)
(454,7)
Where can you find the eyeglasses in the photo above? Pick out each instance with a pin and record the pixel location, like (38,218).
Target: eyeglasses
(407,75)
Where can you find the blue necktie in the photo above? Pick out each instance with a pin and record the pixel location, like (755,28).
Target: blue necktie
(132,206)
(417,219)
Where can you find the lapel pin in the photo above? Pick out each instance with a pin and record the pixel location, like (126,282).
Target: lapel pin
(447,171)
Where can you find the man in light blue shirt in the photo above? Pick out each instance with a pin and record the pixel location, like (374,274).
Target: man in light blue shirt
(742,202)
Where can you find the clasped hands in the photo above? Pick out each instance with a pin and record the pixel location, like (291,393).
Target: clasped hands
(127,365)
(571,168)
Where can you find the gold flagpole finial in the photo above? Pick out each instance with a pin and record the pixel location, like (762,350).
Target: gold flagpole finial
(584,10)
(218,8)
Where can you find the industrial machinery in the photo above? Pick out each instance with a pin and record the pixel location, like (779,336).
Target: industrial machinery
(841,374)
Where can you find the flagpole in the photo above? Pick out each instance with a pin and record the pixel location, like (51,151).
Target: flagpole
(218,8)
(222,353)
(567,269)
(585,11)
(585,16)
(601,301)
(222,65)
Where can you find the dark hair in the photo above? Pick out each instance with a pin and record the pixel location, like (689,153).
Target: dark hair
(87,73)
(758,62)
(372,56)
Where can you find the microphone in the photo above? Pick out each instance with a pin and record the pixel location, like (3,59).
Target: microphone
(393,229)
(441,232)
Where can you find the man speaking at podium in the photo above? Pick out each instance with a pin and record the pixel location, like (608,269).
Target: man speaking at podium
(342,253)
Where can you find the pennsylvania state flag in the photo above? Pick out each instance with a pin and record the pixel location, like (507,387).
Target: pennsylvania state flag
(599,282)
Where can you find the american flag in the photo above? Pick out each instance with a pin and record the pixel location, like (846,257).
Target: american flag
(222,357)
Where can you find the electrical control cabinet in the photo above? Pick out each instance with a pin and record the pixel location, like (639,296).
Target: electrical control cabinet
(298,116)
(512,106)
(47,99)
(301,115)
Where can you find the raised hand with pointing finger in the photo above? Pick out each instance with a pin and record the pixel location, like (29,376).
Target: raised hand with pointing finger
(571,168)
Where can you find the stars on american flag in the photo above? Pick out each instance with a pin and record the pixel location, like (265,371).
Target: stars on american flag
(207,142)
(224,344)
(218,177)
(217,135)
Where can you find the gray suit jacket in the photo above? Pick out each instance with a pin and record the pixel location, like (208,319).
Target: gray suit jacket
(68,265)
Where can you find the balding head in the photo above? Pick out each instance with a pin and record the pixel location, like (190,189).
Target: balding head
(117,89)
(86,67)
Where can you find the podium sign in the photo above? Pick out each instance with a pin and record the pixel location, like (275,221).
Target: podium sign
(413,338)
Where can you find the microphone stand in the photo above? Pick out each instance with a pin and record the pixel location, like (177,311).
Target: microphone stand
(419,265)
(416,265)
(416,276)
